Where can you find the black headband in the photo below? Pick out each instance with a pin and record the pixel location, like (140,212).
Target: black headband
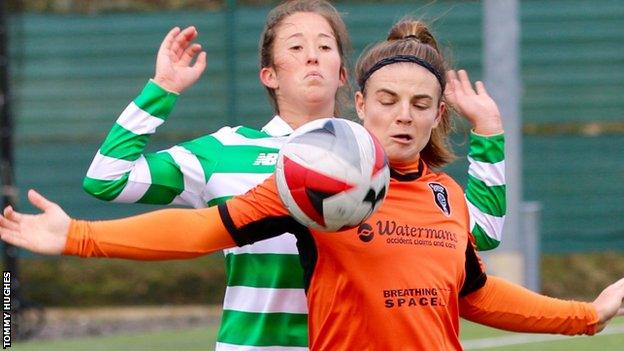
(402,58)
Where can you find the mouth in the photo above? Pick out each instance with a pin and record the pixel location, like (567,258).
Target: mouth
(402,138)
(314,74)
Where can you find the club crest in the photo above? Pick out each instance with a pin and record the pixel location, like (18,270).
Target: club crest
(440,195)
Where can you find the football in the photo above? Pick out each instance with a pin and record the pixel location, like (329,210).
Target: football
(332,174)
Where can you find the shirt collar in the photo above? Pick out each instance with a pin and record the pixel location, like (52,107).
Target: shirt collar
(277,127)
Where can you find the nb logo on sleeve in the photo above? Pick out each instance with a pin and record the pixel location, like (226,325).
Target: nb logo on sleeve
(266,159)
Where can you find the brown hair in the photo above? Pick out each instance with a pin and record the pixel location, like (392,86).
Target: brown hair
(287,8)
(412,37)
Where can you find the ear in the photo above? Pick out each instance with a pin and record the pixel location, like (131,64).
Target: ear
(441,110)
(342,76)
(268,77)
(359,104)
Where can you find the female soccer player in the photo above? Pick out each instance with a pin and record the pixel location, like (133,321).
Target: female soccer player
(302,55)
(405,296)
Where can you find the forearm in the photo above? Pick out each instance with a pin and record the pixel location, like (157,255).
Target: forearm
(507,306)
(486,189)
(122,151)
(159,235)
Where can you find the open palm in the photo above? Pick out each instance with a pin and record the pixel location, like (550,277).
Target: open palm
(474,104)
(174,70)
(44,233)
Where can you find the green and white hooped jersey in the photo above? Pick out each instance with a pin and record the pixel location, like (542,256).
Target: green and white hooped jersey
(264,306)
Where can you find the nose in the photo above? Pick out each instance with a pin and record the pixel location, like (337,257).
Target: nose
(404,116)
(312,55)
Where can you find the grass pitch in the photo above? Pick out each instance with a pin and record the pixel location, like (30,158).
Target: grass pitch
(202,339)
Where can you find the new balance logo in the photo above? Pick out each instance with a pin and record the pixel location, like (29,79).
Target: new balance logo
(266,159)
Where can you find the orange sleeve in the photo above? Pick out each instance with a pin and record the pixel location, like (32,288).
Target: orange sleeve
(257,215)
(501,304)
(158,235)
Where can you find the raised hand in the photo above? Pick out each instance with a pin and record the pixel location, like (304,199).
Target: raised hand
(609,304)
(44,233)
(174,71)
(474,104)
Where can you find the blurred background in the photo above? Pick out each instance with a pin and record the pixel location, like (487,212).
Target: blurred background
(75,64)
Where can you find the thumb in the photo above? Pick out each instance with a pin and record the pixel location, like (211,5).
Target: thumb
(39,201)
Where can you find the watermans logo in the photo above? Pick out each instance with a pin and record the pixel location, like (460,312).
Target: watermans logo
(441,197)
(266,159)
(405,234)
(365,232)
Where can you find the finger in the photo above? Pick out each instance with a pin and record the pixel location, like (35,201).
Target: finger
(39,201)
(620,312)
(464,82)
(14,238)
(480,88)
(451,84)
(182,40)
(189,53)
(12,215)
(200,63)
(168,41)
(8,224)
(451,75)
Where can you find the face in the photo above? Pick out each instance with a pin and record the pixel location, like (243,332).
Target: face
(307,64)
(401,107)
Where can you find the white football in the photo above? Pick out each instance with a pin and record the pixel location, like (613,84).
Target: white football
(332,174)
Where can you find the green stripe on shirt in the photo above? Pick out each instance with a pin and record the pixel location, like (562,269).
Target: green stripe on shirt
(231,158)
(218,200)
(488,199)
(123,144)
(490,149)
(167,179)
(106,190)
(280,329)
(484,241)
(156,101)
(258,270)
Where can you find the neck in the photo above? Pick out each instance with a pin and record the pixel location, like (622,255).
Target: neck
(297,116)
(405,167)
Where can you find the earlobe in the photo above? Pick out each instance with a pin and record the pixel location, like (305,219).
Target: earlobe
(441,110)
(343,76)
(268,77)
(359,104)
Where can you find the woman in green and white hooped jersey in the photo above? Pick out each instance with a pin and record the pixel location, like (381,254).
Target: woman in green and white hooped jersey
(302,51)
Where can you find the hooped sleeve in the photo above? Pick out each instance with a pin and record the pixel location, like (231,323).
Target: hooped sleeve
(501,304)
(486,189)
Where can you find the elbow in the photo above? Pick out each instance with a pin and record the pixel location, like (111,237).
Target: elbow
(99,189)
(487,244)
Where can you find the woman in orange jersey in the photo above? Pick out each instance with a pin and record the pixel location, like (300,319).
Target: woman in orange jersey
(373,292)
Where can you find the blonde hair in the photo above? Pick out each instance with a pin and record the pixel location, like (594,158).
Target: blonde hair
(412,37)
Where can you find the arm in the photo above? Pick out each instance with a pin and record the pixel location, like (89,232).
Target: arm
(120,171)
(503,305)
(492,301)
(151,236)
(485,191)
